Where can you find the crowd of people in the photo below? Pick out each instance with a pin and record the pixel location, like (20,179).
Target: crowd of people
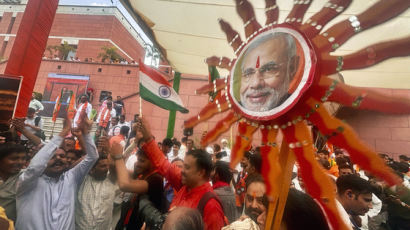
(124,178)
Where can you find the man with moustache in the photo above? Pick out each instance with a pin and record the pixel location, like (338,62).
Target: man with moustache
(191,183)
(268,67)
(46,191)
(256,205)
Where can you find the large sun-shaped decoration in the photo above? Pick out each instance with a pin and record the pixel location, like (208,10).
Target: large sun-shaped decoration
(279,81)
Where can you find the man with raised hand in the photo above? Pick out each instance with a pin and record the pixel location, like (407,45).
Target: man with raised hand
(191,183)
(46,192)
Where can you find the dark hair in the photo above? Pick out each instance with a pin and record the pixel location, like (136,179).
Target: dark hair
(257,178)
(342,161)
(100,157)
(124,130)
(220,155)
(69,138)
(404,157)
(9,148)
(256,161)
(177,159)
(253,179)
(77,153)
(203,160)
(177,143)
(223,171)
(122,116)
(345,166)
(167,142)
(31,110)
(217,148)
(184,139)
(324,151)
(354,182)
(247,155)
(302,212)
(109,98)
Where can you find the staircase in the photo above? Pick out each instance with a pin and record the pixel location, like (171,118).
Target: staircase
(48,126)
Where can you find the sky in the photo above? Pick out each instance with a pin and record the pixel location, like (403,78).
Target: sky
(116,3)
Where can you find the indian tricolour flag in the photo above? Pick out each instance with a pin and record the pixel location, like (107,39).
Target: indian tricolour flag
(157,90)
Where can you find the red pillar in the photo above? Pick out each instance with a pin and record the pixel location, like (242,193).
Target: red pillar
(29,46)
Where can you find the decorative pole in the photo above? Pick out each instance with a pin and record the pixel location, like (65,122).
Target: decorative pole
(172,113)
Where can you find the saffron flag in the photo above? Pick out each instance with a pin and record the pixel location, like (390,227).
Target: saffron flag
(157,90)
(71,107)
(57,107)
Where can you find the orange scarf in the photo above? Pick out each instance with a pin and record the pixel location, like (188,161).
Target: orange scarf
(105,117)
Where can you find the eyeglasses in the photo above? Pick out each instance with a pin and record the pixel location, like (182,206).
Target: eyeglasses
(266,71)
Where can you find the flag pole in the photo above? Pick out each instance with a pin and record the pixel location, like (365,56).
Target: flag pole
(172,113)
(52,130)
(140,106)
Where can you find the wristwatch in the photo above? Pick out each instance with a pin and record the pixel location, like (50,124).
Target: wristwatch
(117,156)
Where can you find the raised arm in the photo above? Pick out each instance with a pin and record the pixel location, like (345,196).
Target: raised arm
(125,183)
(18,123)
(87,144)
(170,171)
(39,162)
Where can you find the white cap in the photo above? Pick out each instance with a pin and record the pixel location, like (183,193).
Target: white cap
(224,140)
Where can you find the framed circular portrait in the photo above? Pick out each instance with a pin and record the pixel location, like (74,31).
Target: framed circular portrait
(271,73)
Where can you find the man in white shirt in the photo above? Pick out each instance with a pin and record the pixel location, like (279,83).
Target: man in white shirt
(355,195)
(84,106)
(35,104)
(95,199)
(46,192)
(226,148)
(31,125)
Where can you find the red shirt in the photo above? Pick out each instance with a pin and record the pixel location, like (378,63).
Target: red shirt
(213,212)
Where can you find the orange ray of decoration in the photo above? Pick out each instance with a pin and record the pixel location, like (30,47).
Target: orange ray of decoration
(243,141)
(271,169)
(217,85)
(366,57)
(220,127)
(271,12)
(317,182)
(208,111)
(245,11)
(374,15)
(330,10)
(357,97)
(222,62)
(299,9)
(343,135)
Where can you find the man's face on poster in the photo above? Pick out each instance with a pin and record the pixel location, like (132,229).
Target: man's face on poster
(267,71)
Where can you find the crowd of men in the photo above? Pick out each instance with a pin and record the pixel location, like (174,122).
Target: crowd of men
(124,178)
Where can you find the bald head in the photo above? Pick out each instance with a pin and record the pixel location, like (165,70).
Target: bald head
(183,218)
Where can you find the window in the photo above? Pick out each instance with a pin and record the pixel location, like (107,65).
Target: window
(11,25)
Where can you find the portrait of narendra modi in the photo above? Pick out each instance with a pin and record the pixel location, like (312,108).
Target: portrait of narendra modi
(264,72)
